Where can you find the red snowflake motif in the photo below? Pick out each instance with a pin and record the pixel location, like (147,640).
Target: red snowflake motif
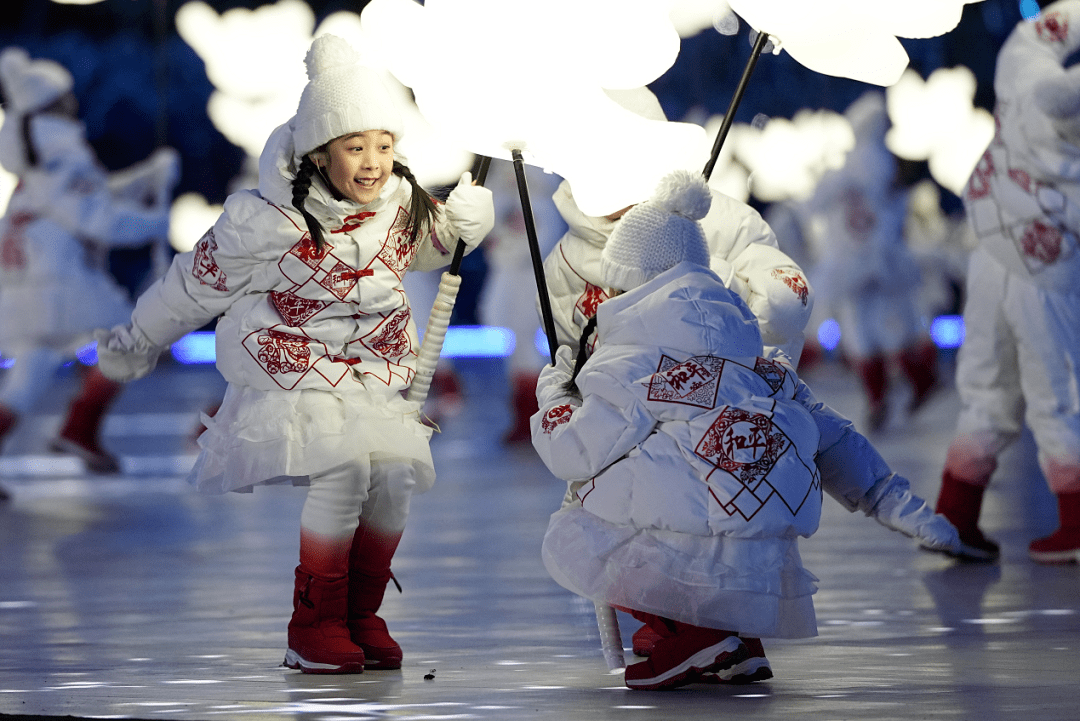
(1021,178)
(283,353)
(397,252)
(693,382)
(204,267)
(1053,28)
(771,372)
(556,417)
(1042,242)
(979,183)
(353,222)
(392,341)
(12,254)
(294,309)
(593,296)
(306,250)
(795,281)
(746,445)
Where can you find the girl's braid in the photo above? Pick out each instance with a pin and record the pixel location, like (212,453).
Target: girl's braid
(422,208)
(301,185)
(582,356)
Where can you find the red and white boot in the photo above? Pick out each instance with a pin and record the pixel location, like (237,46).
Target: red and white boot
(80,433)
(369,572)
(1063,545)
(874,374)
(685,656)
(961,503)
(920,365)
(319,640)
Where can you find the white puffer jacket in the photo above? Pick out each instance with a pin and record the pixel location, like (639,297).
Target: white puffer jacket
(292,316)
(1023,198)
(685,426)
(744,254)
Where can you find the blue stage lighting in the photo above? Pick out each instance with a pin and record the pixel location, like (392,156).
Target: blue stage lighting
(828,334)
(947,331)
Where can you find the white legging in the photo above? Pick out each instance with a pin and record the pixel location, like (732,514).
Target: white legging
(379,492)
(27,381)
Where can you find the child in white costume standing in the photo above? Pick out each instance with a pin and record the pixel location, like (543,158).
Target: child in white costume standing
(316,341)
(66,213)
(743,251)
(691,457)
(1020,360)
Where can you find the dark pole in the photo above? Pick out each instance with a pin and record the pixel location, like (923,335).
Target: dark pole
(729,116)
(479,174)
(537,261)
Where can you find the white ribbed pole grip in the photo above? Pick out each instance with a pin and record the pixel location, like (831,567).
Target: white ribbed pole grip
(434,335)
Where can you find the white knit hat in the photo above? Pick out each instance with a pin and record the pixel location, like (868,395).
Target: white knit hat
(30,85)
(660,233)
(342,96)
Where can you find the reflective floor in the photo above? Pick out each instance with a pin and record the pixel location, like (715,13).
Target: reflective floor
(133,597)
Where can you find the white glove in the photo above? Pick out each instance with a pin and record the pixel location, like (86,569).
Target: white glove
(470,210)
(892,504)
(551,385)
(124,353)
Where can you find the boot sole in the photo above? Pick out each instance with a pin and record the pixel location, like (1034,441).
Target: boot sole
(296,661)
(752,670)
(1056,558)
(717,657)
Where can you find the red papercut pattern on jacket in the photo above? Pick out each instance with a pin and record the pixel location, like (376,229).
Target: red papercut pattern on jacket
(397,252)
(294,309)
(979,184)
(771,372)
(342,278)
(306,250)
(747,446)
(12,253)
(795,281)
(1042,242)
(693,382)
(283,353)
(352,222)
(556,417)
(204,267)
(1052,27)
(588,301)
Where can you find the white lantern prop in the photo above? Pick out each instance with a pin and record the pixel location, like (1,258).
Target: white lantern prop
(851,38)
(936,120)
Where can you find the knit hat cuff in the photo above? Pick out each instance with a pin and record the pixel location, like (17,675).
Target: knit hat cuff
(343,121)
(621,277)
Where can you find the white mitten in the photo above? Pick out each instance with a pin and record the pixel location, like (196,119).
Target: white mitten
(471,210)
(892,504)
(124,353)
(551,385)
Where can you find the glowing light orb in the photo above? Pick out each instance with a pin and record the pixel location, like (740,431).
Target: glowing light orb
(504,75)
(851,38)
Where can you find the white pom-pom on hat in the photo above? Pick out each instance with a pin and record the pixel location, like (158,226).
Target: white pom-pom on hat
(30,85)
(342,96)
(655,236)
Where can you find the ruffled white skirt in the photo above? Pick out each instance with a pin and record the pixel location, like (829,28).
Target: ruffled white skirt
(757,587)
(262,437)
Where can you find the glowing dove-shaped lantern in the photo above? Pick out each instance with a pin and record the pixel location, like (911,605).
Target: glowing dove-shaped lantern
(854,39)
(936,120)
(506,75)
(255,59)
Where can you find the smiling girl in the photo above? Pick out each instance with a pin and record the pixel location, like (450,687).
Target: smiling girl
(316,340)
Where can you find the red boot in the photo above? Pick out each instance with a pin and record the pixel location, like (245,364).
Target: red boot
(961,503)
(685,656)
(1063,545)
(875,379)
(79,436)
(920,366)
(318,637)
(369,572)
(522,407)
